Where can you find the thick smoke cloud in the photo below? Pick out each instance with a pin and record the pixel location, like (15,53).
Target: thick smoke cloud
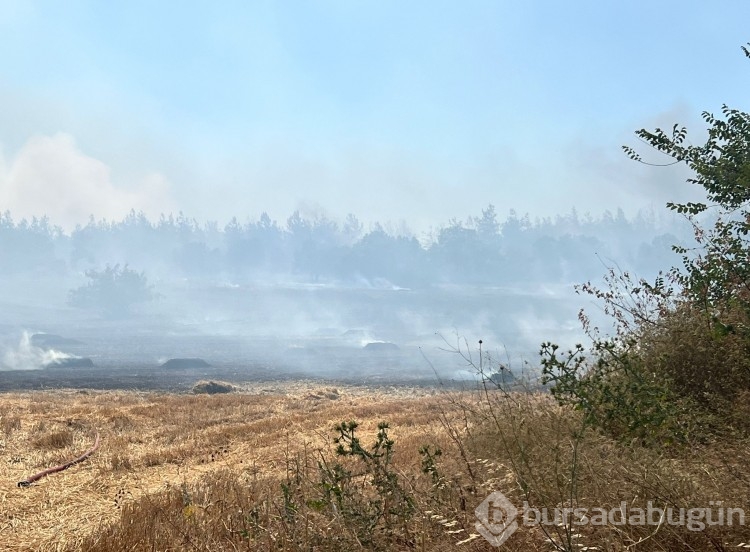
(51,176)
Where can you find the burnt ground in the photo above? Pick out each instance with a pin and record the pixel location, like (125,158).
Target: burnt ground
(143,362)
(137,378)
(150,377)
(181,381)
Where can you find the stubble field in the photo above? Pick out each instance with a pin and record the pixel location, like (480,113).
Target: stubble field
(151,443)
(259,469)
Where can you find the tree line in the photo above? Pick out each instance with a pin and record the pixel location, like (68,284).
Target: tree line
(481,250)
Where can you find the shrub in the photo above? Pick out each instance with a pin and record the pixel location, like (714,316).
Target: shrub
(113,291)
(679,362)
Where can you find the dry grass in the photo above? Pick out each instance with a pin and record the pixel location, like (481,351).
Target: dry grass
(557,462)
(152,443)
(242,471)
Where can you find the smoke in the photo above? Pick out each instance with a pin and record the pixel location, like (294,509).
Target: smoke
(51,176)
(27,356)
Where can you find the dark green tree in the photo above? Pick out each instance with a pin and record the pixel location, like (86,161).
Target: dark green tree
(717,269)
(113,291)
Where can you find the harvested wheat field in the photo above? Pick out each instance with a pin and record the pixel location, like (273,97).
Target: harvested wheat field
(281,466)
(154,443)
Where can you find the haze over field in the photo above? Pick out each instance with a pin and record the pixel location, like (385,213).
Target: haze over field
(284,184)
(309,296)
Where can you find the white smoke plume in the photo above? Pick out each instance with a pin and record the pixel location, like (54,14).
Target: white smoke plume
(27,356)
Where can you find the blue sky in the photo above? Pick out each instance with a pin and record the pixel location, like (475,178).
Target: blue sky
(397,111)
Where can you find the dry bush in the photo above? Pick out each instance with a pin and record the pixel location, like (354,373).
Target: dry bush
(545,454)
(676,380)
(703,359)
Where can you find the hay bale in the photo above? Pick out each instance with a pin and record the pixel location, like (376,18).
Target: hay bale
(212,387)
(330,394)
